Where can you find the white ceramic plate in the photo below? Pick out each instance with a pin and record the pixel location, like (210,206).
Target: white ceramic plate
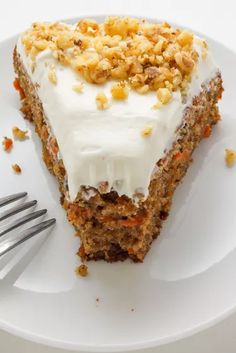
(187,281)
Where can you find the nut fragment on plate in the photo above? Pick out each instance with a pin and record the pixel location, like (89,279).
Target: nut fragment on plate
(7,144)
(19,134)
(16,168)
(82,270)
(230,157)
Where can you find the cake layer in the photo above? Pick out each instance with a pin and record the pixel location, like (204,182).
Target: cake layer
(99,146)
(110,226)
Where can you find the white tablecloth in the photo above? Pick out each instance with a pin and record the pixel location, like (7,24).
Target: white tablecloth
(216,19)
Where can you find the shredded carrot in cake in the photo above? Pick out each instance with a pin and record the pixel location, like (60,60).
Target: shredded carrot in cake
(207,131)
(132,222)
(18,88)
(181,155)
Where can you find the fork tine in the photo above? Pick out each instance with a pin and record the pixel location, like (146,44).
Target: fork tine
(17,209)
(10,244)
(11,198)
(23,220)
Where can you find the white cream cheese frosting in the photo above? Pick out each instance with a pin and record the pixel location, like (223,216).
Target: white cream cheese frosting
(106,145)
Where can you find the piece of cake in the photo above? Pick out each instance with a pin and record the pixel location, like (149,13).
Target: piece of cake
(119,108)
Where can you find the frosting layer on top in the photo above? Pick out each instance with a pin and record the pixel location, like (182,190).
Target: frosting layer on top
(119,145)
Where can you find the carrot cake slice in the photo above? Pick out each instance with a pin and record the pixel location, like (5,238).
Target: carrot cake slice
(119,107)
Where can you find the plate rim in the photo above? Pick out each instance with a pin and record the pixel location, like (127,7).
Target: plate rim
(42,339)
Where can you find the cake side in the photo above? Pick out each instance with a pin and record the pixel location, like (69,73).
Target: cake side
(110,226)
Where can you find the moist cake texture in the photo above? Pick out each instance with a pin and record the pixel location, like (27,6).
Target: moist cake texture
(119,108)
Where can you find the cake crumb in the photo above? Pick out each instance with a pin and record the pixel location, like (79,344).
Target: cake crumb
(97,300)
(78,87)
(230,157)
(16,168)
(7,144)
(19,134)
(146,131)
(102,101)
(132,309)
(82,270)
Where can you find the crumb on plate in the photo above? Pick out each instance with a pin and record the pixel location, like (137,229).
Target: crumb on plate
(7,144)
(82,270)
(16,168)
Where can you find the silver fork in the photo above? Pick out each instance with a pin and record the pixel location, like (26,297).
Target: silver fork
(8,243)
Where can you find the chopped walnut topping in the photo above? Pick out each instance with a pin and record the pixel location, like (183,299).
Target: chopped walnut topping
(41,44)
(230,157)
(19,134)
(121,26)
(184,61)
(82,270)
(52,76)
(119,90)
(145,54)
(88,26)
(185,38)
(164,95)
(102,101)
(144,89)
(147,131)
(204,46)
(204,50)
(16,168)
(78,87)
(7,144)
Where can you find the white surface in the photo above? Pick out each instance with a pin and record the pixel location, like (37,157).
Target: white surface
(216,339)
(92,150)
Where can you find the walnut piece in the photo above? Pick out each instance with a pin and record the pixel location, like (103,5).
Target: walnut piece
(119,91)
(147,131)
(230,157)
(19,134)
(164,95)
(52,76)
(102,101)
